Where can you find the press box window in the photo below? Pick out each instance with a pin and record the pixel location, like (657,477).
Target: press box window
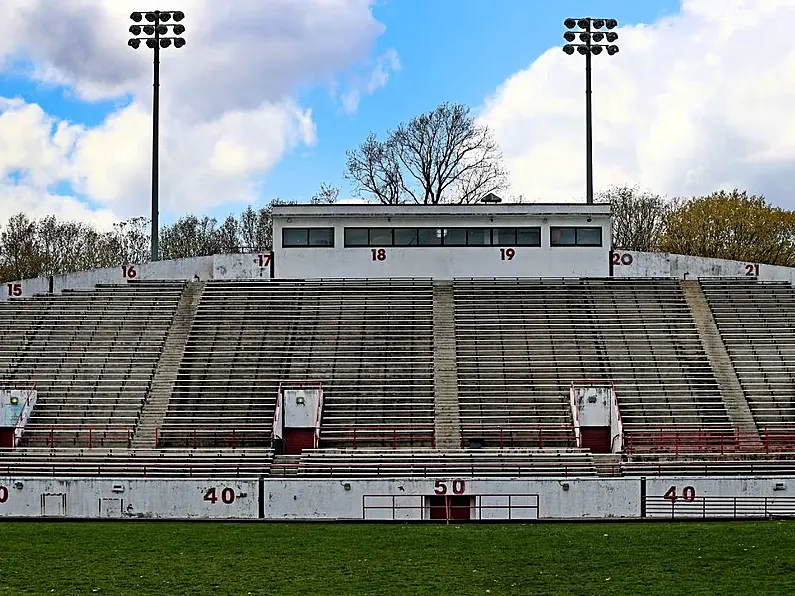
(406,236)
(429,237)
(575,236)
(368,237)
(302,237)
(356,237)
(516,237)
(380,236)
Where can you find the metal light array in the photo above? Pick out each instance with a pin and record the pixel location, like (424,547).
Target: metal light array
(155,31)
(588,32)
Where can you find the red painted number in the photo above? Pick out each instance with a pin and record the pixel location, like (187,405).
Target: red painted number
(688,494)
(15,290)
(227,496)
(128,272)
(3,494)
(507,254)
(440,487)
(264,260)
(625,259)
(752,270)
(379,254)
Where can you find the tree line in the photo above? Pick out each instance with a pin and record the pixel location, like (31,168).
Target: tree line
(443,156)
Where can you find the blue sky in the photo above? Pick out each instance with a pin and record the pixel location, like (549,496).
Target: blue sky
(456,51)
(253,106)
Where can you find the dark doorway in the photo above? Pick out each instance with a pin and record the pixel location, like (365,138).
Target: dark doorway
(298,439)
(450,508)
(596,438)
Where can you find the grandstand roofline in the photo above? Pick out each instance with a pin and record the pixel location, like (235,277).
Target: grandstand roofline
(537,209)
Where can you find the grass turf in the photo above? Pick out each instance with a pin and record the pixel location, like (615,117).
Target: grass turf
(309,559)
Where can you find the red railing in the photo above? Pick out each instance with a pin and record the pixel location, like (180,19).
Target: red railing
(538,436)
(394,434)
(194,434)
(93,437)
(709,440)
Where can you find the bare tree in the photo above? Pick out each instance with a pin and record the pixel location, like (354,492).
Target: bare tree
(639,217)
(327,194)
(443,156)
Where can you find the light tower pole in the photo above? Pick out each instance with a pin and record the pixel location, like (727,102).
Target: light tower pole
(587,30)
(155,32)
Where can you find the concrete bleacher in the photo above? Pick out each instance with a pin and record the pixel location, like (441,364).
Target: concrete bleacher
(710,467)
(91,355)
(522,342)
(369,342)
(401,463)
(756,321)
(122,463)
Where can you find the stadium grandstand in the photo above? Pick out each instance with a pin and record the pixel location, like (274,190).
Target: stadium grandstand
(404,362)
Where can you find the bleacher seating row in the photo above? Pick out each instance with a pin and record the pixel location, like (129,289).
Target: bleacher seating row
(522,342)
(124,463)
(519,345)
(91,355)
(756,321)
(428,462)
(368,342)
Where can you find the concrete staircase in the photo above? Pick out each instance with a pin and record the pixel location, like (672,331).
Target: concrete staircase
(732,392)
(445,371)
(155,408)
(607,464)
(285,465)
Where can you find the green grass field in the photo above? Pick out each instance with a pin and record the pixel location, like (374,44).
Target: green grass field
(308,559)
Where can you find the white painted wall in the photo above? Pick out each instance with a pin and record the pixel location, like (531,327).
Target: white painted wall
(128,498)
(719,496)
(441,262)
(300,415)
(653,264)
(242,266)
(402,499)
(297,499)
(234,266)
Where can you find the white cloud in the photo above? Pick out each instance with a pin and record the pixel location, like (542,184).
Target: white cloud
(694,102)
(228,112)
(378,76)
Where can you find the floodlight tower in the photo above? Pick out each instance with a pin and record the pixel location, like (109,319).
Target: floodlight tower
(588,31)
(155,32)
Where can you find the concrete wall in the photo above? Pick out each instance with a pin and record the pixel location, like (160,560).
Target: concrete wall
(126,498)
(439,262)
(627,263)
(233,266)
(372,499)
(400,499)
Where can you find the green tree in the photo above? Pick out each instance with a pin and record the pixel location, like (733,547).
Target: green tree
(732,225)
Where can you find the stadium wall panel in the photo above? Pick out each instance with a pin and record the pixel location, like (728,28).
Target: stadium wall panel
(129,498)
(411,499)
(629,263)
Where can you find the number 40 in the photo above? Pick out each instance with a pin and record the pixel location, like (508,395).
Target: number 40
(688,494)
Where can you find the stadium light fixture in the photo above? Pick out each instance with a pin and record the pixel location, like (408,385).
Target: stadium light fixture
(592,42)
(158,33)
